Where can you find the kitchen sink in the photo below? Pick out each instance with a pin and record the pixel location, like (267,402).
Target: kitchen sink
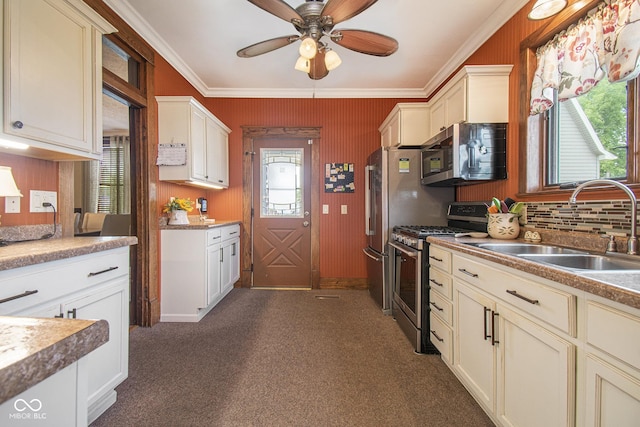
(584,261)
(525,248)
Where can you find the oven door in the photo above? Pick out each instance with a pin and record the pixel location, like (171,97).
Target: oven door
(407,283)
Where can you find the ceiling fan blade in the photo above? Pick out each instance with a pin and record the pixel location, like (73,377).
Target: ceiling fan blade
(341,10)
(366,42)
(266,46)
(278,8)
(317,68)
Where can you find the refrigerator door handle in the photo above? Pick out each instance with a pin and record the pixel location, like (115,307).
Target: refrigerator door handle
(371,254)
(367,201)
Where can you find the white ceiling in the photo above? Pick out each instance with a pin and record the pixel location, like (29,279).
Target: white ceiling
(200,39)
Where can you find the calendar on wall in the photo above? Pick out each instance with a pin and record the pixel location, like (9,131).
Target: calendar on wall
(338,178)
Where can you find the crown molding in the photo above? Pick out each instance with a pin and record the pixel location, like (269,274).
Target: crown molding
(313,93)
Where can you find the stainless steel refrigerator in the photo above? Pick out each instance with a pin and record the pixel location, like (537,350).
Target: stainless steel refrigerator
(394,196)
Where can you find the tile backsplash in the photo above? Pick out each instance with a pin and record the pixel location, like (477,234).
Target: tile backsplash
(592,216)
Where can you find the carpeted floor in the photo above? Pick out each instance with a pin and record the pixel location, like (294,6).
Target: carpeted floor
(287,358)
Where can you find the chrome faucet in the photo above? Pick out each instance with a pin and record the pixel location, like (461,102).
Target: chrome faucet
(632,244)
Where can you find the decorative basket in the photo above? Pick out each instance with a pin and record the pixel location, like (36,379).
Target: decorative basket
(503,226)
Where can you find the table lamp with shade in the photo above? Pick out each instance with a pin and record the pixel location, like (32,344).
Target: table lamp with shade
(8,186)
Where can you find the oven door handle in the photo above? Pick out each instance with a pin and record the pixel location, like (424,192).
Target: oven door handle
(405,250)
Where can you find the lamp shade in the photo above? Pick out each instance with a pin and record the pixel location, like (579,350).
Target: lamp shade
(7,184)
(303,64)
(332,60)
(308,48)
(545,8)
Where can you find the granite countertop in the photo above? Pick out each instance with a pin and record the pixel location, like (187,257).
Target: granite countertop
(196,224)
(29,253)
(622,287)
(32,350)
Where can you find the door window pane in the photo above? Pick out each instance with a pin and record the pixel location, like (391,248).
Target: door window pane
(281,182)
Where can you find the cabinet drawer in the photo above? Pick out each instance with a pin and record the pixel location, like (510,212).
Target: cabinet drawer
(441,337)
(230,232)
(441,307)
(54,279)
(214,236)
(440,258)
(440,282)
(614,332)
(552,306)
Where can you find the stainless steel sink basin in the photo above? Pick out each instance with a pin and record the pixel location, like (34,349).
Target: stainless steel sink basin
(584,261)
(525,248)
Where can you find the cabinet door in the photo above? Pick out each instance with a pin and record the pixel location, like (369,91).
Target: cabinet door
(474,354)
(198,148)
(613,396)
(108,364)
(50,88)
(234,265)
(536,374)
(456,100)
(214,269)
(217,155)
(230,272)
(394,131)
(438,117)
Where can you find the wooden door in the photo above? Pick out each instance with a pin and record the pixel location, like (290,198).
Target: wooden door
(281,213)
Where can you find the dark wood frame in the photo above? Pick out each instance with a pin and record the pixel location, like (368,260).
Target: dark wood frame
(145,223)
(249,134)
(531,128)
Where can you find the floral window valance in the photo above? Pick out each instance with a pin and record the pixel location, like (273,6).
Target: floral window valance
(604,43)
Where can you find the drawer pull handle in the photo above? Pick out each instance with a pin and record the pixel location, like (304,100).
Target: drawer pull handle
(232,233)
(435,259)
(25,294)
(102,271)
(436,306)
(216,237)
(468,273)
(436,283)
(529,300)
(436,335)
(494,341)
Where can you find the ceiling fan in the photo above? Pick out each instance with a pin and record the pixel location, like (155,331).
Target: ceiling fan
(314,20)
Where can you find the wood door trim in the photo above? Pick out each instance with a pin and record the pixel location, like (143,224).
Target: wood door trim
(249,134)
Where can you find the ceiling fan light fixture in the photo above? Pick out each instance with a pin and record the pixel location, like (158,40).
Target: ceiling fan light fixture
(303,64)
(543,9)
(332,60)
(308,48)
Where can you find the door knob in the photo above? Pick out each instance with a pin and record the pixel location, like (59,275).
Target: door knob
(305,224)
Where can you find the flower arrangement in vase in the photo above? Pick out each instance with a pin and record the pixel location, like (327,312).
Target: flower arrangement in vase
(177,209)
(503,220)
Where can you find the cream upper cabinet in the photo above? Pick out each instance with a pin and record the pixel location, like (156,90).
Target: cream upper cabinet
(183,120)
(406,125)
(476,94)
(53,78)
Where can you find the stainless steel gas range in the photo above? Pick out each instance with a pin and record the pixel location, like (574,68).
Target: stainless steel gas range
(411,269)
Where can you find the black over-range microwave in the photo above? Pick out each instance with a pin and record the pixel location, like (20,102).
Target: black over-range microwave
(465,153)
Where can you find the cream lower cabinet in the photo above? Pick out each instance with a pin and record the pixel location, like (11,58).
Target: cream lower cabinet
(198,269)
(520,369)
(440,301)
(612,364)
(94,286)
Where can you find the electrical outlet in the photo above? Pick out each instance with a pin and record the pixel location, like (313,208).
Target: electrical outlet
(343,209)
(11,204)
(325,209)
(38,197)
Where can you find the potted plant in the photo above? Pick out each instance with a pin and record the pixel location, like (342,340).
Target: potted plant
(503,222)
(177,209)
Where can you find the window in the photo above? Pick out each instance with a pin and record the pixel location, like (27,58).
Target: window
(281,182)
(588,126)
(587,136)
(113,183)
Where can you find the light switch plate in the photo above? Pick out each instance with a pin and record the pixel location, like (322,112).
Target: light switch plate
(11,204)
(38,197)
(325,209)
(343,209)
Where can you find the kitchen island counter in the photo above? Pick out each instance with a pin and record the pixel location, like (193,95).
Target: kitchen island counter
(33,349)
(622,287)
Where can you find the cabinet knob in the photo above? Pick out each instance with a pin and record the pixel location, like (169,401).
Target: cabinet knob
(18,124)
